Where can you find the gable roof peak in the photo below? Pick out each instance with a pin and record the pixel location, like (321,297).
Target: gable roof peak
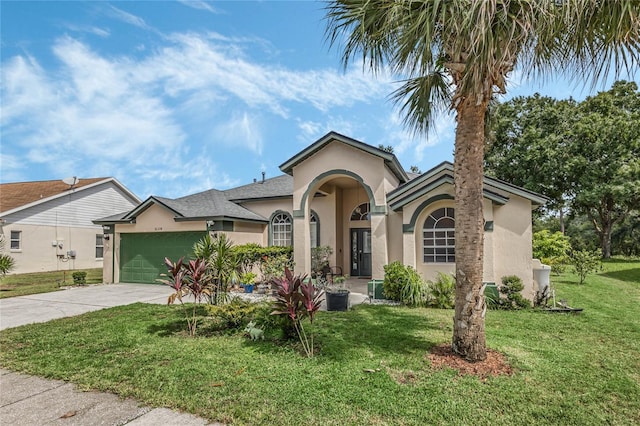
(390,160)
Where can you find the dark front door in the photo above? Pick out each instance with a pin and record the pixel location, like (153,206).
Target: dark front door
(360,252)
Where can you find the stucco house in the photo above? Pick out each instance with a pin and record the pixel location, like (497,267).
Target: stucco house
(48,225)
(338,192)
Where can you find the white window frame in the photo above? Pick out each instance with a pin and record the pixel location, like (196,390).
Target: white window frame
(314,225)
(17,241)
(281,230)
(99,246)
(438,241)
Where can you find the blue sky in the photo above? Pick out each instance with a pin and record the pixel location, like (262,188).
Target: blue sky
(172,98)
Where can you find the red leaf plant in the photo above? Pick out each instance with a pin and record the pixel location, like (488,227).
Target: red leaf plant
(297,299)
(190,279)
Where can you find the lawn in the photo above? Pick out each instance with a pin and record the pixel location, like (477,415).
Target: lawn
(43,282)
(372,365)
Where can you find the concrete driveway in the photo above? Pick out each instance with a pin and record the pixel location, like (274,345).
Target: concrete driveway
(16,311)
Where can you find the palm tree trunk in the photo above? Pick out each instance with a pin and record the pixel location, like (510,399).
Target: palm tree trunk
(468,327)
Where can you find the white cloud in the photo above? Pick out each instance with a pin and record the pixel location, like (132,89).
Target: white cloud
(141,112)
(241,130)
(100,32)
(128,18)
(200,5)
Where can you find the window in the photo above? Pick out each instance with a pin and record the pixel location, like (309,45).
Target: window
(361,212)
(439,236)
(99,246)
(16,240)
(281,230)
(314,230)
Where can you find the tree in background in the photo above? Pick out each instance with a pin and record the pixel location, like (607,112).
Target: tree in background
(604,159)
(528,139)
(454,55)
(583,155)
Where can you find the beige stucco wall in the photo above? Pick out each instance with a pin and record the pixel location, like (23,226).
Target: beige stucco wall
(38,253)
(373,172)
(158,219)
(507,249)
(512,248)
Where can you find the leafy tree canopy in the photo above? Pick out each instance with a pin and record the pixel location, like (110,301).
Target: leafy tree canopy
(587,153)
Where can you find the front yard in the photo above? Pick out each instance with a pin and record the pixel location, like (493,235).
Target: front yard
(43,282)
(372,366)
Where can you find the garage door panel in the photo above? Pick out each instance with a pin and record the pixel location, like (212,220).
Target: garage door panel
(142,254)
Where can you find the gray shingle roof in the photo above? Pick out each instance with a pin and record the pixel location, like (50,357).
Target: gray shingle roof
(277,187)
(211,203)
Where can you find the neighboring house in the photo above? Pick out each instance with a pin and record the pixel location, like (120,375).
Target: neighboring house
(338,192)
(48,224)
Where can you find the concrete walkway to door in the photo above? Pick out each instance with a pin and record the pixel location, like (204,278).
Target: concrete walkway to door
(21,310)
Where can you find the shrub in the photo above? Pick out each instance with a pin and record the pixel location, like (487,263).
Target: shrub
(232,315)
(585,262)
(443,291)
(297,300)
(190,279)
(320,258)
(273,267)
(416,293)
(7,263)
(511,288)
(396,278)
(79,277)
(552,249)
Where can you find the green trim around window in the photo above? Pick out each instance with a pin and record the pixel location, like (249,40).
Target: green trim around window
(408,228)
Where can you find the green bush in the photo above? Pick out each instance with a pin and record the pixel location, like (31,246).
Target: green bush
(320,258)
(552,249)
(511,288)
(404,284)
(273,266)
(443,291)
(416,293)
(398,276)
(585,262)
(79,277)
(233,315)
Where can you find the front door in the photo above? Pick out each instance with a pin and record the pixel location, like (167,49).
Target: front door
(360,252)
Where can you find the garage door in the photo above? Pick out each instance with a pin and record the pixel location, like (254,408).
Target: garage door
(142,255)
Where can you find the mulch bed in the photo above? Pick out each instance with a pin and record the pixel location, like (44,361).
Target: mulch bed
(496,364)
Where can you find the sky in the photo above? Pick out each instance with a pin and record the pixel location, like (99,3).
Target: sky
(177,97)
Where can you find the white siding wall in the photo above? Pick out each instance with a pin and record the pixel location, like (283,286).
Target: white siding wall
(76,209)
(67,220)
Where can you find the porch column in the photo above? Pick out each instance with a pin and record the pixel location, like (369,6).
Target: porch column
(379,251)
(301,244)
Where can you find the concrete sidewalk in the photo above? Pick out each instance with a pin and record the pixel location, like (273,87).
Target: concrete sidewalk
(21,310)
(28,400)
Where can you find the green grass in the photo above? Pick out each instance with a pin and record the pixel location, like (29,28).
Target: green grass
(570,368)
(43,282)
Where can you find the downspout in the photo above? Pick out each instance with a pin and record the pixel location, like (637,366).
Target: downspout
(113,256)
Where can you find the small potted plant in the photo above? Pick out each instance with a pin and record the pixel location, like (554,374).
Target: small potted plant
(248,280)
(337,294)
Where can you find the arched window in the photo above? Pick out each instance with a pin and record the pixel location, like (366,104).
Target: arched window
(281,228)
(361,212)
(314,229)
(439,236)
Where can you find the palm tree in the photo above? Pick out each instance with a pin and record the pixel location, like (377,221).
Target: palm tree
(456,54)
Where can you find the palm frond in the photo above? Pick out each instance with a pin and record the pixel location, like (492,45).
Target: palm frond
(422,99)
